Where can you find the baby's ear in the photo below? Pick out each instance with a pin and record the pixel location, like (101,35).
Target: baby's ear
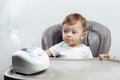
(83,35)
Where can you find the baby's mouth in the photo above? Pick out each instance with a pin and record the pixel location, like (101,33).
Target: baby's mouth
(69,40)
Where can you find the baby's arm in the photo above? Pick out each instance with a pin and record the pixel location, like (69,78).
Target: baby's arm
(48,53)
(102,56)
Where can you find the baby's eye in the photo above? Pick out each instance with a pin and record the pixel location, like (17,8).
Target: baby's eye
(74,32)
(65,31)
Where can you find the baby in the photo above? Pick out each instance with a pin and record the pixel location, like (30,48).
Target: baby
(73,31)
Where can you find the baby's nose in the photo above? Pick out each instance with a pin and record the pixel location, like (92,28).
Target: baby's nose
(69,34)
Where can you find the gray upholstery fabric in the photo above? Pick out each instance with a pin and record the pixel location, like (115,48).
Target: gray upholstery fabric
(98,37)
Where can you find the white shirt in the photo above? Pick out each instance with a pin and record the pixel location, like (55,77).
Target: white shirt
(63,50)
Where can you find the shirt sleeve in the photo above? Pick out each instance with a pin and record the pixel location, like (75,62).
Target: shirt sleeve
(55,50)
(89,55)
(87,51)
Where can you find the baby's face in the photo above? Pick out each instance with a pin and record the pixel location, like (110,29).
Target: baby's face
(72,34)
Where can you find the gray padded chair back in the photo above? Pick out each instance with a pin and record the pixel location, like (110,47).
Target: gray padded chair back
(98,37)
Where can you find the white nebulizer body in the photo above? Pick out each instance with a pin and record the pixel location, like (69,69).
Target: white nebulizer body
(30,60)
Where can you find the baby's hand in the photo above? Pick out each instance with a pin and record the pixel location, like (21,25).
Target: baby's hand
(102,56)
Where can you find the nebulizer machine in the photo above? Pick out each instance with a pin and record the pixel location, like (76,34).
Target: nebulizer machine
(27,60)
(30,60)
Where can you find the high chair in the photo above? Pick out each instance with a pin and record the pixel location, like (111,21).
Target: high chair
(98,37)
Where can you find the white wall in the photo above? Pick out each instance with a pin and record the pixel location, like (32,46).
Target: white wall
(34,16)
